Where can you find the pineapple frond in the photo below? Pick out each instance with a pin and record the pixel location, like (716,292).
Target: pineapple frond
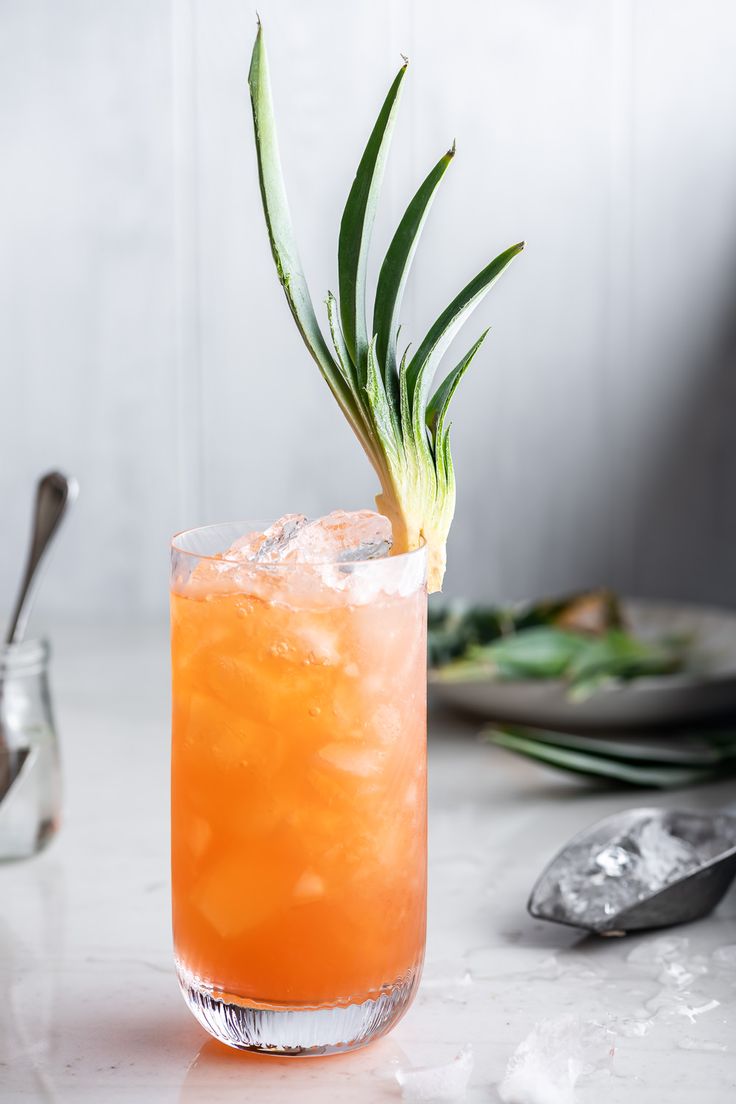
(386,400)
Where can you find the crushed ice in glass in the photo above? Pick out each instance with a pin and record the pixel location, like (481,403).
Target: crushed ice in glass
(436,1084)
(342,557)
(621,862)
(340,537)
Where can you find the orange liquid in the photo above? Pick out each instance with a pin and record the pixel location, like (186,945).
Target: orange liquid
(299,795)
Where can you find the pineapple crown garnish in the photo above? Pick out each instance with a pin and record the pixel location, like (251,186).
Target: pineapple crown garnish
(385,396)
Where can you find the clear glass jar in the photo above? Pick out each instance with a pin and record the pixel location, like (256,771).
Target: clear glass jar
(30,777)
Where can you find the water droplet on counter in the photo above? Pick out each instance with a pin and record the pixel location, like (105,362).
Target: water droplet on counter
(654,952)
(490,963)
(448,1082)
(634,1029)
(386,1072)
(707,1007)
(392,1057)
(449,986)
(726,956)
(668,1003)
(687,1042)
(680,975)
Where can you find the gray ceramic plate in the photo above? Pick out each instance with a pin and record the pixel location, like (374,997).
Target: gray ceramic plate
(705,692)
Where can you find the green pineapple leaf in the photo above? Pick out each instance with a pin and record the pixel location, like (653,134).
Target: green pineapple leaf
(395,273)
(385,403)
(283,242)
(424,362)
(356,228)
(562,755)
(440,401)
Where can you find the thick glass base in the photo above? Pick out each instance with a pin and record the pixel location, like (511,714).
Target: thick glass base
(269,1029)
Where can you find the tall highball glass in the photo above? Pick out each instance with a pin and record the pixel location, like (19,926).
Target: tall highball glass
(298,793)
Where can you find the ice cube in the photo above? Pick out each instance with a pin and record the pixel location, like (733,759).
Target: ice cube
(316,644)
(241,891)
(664,857)
(433,1084)
(272,545)
(340,537)
(309,887)
(198,835)
(613,861)
(547,1065)
(353,759)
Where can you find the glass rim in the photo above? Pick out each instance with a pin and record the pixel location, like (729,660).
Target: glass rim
(256,526)
(24,653)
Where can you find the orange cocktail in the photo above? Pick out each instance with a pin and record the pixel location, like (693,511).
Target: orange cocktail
(298,794)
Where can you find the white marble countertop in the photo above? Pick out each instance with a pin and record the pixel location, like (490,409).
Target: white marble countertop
(89,1006)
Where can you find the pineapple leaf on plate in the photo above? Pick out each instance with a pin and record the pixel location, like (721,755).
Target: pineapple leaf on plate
(456,627)
(385,404)
(542,652)
(543,641)
(617,655)
(606,768)
(704,749)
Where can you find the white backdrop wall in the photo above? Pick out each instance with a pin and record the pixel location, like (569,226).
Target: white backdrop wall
(145,344)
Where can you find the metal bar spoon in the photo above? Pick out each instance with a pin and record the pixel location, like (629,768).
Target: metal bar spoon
(54,494)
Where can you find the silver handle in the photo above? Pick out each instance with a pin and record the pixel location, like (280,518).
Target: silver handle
(54,494)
